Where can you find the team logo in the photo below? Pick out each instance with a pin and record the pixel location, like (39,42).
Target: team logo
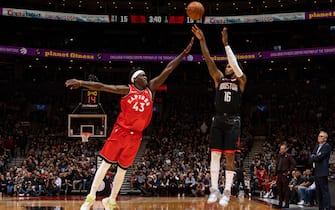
(23,51)
(189,58)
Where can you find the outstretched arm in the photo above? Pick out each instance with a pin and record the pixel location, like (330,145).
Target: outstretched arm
(118,89)
(160,79)
(215,73)
(233,61)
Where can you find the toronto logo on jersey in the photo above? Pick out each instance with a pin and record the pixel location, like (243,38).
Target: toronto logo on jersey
(139,102)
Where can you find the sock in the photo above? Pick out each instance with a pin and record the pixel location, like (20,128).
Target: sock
(229,180)
(99,177)
(215,169)
(117,183)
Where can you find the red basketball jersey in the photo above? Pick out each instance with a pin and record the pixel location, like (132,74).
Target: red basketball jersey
(136,109)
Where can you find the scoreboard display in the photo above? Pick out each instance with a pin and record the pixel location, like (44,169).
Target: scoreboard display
(143,19)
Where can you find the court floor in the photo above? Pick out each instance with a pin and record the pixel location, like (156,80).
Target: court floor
(128,203)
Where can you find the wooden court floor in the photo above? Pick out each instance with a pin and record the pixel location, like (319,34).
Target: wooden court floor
(128,203)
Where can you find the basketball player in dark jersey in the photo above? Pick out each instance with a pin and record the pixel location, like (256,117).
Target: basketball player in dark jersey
(225,128)
(124,141)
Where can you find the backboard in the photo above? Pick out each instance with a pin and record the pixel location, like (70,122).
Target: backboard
(87,123)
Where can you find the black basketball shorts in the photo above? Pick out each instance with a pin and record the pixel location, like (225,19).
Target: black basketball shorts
(225,133)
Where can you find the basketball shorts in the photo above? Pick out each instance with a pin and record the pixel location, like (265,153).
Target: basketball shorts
(225,133)
(121,146)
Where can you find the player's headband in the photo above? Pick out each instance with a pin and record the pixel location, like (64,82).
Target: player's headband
(136,73)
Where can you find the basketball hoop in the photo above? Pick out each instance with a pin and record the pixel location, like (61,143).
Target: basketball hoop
(85,136)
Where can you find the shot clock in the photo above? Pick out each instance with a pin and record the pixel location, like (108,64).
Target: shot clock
(90,98)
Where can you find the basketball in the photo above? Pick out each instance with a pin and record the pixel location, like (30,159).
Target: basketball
(195,10)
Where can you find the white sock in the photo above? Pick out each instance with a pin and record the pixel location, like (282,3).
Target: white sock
(229,180)
(117,183)
(99,176)
(215,169)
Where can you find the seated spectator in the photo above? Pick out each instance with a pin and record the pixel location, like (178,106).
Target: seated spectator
(240,177)
(309,197)
(308,180)
(133,180)
(164,187)
(222,183)
(261,175)
(199,190)
(271,187)
(9,183)
(207,183)
(2,184)
(142,183)
(293,185)
(58,184)
(190,184)
(173,184)
(181,185)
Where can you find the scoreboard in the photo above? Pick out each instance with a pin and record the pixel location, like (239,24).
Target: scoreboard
(143,19)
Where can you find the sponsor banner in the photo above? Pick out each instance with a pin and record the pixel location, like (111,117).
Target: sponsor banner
(149,57)
(239,56)
(13,50)
(55,15)
(169,57)
(143,19)
(298,52)
(67,54)
(254,18)
(320,15)
(47,53)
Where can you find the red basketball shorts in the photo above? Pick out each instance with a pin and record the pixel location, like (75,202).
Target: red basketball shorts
(121,146)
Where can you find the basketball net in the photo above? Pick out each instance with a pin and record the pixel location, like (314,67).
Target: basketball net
(85,136)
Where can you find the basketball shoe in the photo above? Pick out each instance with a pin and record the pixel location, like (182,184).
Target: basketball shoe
(108,204)
(225,198)
(213,196)
(89,201)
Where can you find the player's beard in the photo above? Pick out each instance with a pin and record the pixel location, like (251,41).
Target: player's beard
(230,76)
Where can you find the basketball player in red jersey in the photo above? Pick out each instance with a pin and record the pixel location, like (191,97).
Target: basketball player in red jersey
(124,141)
(226,123)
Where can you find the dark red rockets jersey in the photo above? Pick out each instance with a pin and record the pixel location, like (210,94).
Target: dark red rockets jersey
(136,109)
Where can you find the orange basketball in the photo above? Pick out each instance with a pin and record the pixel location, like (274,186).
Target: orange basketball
(195,10)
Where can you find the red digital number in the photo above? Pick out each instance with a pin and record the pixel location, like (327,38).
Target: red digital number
(137,19)
(176,19)
(91,99)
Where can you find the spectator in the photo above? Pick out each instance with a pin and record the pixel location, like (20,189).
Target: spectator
(308,180)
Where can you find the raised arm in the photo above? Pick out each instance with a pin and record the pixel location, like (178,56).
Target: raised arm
(233,61)
(118,89)
(215,73)
(160,79)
